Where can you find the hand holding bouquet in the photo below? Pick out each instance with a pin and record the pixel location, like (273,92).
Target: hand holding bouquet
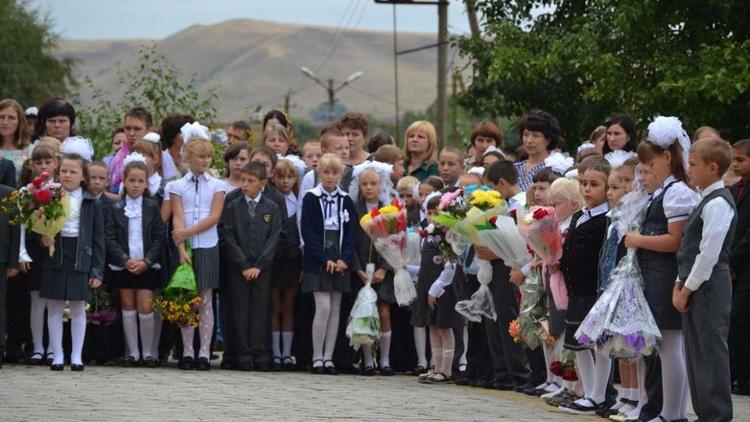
(387,229)
(41,206)
(180,303)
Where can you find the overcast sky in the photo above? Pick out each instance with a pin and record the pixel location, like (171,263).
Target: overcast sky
(115,19)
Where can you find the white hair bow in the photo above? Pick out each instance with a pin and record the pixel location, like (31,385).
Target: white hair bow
(664,131)
(152,137)
(78,145)
(133,157)
(194,130)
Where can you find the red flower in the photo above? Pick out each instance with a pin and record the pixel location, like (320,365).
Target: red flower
(556,368)
(44,175)
(539,213)
(374,213)
(43,196)
(38,181)
(569,374)
(396,204)
(493,220)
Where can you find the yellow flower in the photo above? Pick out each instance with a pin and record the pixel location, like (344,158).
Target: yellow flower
(365,219)
(389,209)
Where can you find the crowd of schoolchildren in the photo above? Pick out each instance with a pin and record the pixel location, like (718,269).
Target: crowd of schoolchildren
(279,256)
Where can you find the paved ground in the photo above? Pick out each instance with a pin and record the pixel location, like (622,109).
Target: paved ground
(166,394)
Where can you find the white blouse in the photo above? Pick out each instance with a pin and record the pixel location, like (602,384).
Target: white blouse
(291,204)
(134,213)
(679,200)
(73,223)
(197,194)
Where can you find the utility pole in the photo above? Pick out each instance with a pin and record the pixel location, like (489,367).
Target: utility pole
(331,101)
(454,141)
(396,135)
(471,12)
(442,71)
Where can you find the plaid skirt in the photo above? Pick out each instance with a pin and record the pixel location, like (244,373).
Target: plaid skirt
(206,266)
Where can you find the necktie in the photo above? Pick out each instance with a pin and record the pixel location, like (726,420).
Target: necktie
(329,199)
(251,205)
(740,189)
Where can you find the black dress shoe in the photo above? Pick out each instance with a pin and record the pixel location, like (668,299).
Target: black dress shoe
(150,362)
(186,363)
(386,371)
(76,367)
(329,369)
(228,364)
(741,389)
(56,367)
(35,359)
(507,383)
(288,363)
(367,371)
(129,362)
(202,364)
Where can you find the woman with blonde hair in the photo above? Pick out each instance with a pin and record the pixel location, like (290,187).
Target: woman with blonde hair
(421,149)
(14,135)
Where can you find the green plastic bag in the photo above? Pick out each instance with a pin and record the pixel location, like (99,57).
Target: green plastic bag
(183,278)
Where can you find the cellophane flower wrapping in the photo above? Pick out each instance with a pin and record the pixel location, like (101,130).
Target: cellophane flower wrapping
(621,323)
(541,229)
(565,367)
(533,310)
(102,310)
(364,321)
(387,228)
(42,206)
(478,228)
(180,302)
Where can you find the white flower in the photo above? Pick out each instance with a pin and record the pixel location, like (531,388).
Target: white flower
(345,214)
(430,228)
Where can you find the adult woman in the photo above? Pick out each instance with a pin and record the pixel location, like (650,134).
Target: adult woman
(485,135)
(621,135)
(540,132)
(421,150)
(14,138)
(278,117)
(56,119)
(171,143)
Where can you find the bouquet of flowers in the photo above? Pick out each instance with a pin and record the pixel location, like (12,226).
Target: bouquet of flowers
(541,230)
(101,309)
(621,323)
(180,302)
(387,229)
(565,368)
(533,313)
(452,209)
(41,206)
(516,331)
(364,320)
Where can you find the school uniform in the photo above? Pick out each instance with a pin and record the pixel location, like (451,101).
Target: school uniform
(328,225)
(581,248)
(430,267)
(672,202)
(739,342)
(197,194)
(7,173)
(9,244)
(251,228)
(79,252)
(703,263)
(134,230)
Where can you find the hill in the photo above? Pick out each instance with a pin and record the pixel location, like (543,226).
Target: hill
(257,63)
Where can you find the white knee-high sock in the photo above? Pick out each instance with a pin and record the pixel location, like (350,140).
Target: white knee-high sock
(147,334)
(55,310)
(130,328)
(188,333)
(77,330)
(549,351)
(641,395)
(157,334)
(674,375)
(385,349)
(420,343)
(287,337)
(449,351)
(436,346)
(367,356)
(38,305)
(332,328)
(206,324)
(320,322)
(602,368)
(275,346)
(465,339)
(585,368)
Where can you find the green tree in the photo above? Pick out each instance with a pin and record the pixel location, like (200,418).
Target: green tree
(154,83)
(29,72)
(585,61)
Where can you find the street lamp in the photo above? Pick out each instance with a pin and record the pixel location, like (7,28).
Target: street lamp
(330,88)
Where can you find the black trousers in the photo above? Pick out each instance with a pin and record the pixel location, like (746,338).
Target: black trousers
(739,341)
(652,409)
(3,308)
(251,314)
(508,358)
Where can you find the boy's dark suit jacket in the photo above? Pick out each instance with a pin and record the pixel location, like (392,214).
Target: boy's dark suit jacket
(250,242)
(116,233)
(7,173)
(9,235)
(741,248)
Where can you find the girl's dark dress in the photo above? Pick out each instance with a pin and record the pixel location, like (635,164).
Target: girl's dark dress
(445,316)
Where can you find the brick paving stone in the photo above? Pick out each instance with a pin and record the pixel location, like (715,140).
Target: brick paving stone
(167,394)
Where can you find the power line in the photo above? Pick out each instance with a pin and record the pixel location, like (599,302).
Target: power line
(362,7)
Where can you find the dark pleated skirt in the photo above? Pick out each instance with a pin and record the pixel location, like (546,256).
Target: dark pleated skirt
(126,280)
(323,281)
(578,307)
(66,283)
(206,266)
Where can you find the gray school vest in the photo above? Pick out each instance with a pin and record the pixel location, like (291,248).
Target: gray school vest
(691,237)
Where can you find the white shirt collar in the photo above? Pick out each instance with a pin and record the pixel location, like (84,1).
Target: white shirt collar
(77,194)
(319,191)
(712,187)
(256,199)
(137,201)
(189,175)
(597,210)
(667,181)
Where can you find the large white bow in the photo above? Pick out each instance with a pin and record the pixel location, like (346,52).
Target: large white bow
(194,130)
(78,145)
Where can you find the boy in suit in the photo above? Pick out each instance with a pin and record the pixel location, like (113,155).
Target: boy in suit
(251,227)
(739,343)
(703,293)
(9,238)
